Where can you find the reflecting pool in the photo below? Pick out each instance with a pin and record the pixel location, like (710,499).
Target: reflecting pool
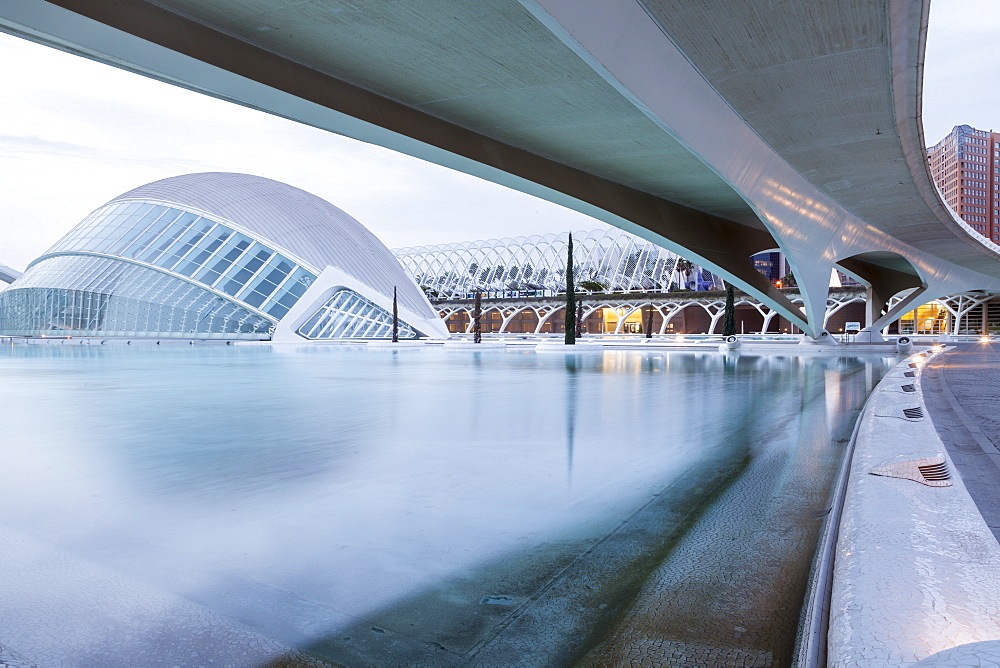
(252,505)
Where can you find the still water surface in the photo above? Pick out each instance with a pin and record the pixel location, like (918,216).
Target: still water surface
(371,506)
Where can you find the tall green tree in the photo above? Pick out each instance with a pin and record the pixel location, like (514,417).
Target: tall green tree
(729,320)
(395,317)
(684,268)
(570,296)
(477,318)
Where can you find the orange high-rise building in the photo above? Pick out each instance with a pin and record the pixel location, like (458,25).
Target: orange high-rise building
(966,168)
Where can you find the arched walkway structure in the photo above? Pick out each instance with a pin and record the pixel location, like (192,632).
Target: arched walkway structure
(715,129)
(604,260)
(547,312)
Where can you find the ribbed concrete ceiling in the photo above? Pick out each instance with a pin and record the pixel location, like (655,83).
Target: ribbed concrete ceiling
(488,66)
(814,80)
(827,85)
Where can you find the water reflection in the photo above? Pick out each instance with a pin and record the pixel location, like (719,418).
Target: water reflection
(338,483)
(572,391)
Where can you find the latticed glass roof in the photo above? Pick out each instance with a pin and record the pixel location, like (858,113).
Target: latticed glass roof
(612,258)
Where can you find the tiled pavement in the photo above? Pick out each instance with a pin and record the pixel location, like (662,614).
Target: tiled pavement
(962,394)
(916,574)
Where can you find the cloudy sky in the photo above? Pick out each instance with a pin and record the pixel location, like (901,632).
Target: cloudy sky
(73,134)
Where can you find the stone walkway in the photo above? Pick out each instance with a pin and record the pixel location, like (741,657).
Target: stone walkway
(962,395)
(915,576)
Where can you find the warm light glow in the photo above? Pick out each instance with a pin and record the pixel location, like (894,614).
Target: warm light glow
(931,318)
(984,339)
(634,321)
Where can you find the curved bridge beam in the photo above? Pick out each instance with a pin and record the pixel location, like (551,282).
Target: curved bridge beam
(621,39)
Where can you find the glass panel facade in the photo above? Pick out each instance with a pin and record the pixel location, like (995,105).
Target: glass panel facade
(195,247)
(348,315)
(80,295)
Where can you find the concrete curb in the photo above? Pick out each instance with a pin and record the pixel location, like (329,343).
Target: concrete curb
(916,570)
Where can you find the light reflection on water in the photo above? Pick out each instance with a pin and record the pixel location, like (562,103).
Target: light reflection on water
(359,478)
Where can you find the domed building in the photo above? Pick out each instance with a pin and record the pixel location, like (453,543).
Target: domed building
(217,255)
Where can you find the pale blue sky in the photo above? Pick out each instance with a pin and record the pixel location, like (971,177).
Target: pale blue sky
(74,134)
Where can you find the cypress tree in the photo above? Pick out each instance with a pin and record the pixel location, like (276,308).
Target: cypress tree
(570,296)
(729,320)
(477,318)
(395,317)
(649,322)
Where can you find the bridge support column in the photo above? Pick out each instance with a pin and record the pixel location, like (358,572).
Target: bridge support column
(870,334)
(871,314)
(813,279)
(909,302)
(823,339)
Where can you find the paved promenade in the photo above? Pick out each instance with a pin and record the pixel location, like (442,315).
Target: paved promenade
(916,577)
(962,395)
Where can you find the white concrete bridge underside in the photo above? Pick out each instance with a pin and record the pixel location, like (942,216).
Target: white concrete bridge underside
(716,129)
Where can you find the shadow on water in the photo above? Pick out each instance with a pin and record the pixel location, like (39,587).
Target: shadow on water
(558,599)
(715,564)
(731,592)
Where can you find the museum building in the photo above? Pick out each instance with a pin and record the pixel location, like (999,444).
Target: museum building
(217,255)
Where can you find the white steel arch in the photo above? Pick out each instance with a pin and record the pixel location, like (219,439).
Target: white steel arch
(613,259)
(669,306)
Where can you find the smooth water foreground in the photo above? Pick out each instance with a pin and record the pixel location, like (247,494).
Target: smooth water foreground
(412,506)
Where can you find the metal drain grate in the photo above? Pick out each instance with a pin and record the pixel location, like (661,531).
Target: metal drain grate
(931,470)
(909,388)
(910,374)
(935,472)
(912,414)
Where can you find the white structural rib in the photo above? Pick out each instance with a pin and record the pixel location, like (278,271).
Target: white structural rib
(8,275)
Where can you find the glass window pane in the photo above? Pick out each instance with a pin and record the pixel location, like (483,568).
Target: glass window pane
(226,256)
(203,251)
(185,243)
